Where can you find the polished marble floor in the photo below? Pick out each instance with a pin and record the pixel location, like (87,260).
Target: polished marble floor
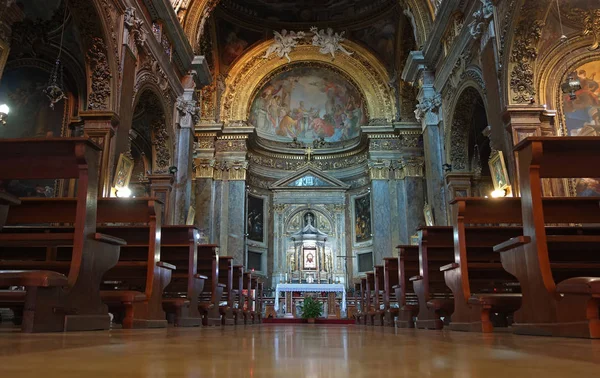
(293,351)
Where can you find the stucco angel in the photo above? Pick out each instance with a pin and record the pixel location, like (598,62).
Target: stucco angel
(329,42)
(284,43)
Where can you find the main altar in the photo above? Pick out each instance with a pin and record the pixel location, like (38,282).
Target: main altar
(330,289)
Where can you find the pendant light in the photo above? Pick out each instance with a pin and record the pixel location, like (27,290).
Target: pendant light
(573,84)
(54,90)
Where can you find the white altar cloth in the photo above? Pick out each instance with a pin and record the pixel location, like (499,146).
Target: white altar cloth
(310,288)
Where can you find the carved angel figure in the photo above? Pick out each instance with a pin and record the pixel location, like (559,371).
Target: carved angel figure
(329,42)
(284,43)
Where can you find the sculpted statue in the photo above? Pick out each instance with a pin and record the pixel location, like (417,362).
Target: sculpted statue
(329,42)
(284,43)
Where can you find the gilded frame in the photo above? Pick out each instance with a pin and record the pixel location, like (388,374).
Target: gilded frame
(498,171)
(123,172)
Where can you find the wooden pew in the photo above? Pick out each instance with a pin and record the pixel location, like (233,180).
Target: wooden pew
(6,201)
(407,266)
(59,295)
(436,249)
(259,301)
(208,266)
(390,278)
(379,284)
(140,274)
(180,300)
(538,260)
(369,298)
(248,299)
(256,315)
(238,288)
(475,308)
(226,278)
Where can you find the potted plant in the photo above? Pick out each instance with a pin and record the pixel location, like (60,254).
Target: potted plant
(311,309)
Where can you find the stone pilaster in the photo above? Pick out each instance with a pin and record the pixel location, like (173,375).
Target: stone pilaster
(204,188)
(411,197)
(230,167)
(428,113)
(379,171)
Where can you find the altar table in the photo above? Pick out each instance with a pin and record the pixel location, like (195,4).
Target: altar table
(329,288)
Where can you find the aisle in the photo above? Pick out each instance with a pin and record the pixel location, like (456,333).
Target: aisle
(293,351)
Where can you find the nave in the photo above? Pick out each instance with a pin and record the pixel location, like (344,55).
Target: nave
(293,351)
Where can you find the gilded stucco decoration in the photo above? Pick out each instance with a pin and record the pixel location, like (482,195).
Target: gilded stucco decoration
(458,138)
(590,19)
(252,70)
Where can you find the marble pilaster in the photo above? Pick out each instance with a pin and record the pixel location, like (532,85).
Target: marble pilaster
(381,214)
(411,199)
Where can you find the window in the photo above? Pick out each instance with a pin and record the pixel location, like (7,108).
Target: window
(255,261)
(365,262)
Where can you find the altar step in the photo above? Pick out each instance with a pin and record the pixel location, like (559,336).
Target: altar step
(301,321)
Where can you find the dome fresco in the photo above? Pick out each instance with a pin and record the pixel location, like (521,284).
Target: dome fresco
(308,103)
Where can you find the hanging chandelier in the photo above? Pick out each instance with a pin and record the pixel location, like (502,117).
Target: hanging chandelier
(572,84)
(54,90)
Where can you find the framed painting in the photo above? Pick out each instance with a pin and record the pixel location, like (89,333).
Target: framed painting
(191,216)
(255,220)
(123,173)
(498,171)
(428,214)
(362,218)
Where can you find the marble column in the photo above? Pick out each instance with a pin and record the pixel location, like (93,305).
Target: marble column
(187,113)
(428,112)
(381,210)
(230,195)
(204,185)
(411,199)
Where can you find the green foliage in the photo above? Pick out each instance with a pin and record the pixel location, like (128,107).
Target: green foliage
(311,308)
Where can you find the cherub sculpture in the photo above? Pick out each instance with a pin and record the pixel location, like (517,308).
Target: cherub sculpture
(329,42)
(284,43)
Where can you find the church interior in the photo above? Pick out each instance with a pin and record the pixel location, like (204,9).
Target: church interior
(311,188)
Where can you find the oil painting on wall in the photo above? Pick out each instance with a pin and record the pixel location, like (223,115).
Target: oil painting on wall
(255,218)
(362,218)
(234,40)
(582,116)
(308,103)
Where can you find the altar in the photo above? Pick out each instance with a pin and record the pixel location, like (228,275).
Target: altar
(330,289)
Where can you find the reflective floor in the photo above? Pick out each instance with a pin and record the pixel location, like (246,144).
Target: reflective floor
(293,351)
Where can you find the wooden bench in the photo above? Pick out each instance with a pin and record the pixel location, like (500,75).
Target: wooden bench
(379,284)
(60,295)
(136,283)
(248,299)
(436,249)
(407,266)
(238,290)
(6,201)
(474,310)
(538,260)
(210,298)
(369,298)
(390,278)
(179,247)
(226,278)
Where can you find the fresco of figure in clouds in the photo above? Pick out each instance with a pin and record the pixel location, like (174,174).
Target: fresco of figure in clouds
(308,103)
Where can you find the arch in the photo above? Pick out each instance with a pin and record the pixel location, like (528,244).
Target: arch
(157,128)
(307,209)
(246,76)
(96,25)
(457,138)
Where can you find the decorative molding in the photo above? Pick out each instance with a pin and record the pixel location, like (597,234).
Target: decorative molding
(229,170)
(428,105)
(379,169)
(231,145)
(410,167)
(100,79)
(188,112)
(203,168)
(524,54)
(481,19)
(328,41)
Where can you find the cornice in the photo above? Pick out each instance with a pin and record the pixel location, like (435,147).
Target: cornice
(183,53)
